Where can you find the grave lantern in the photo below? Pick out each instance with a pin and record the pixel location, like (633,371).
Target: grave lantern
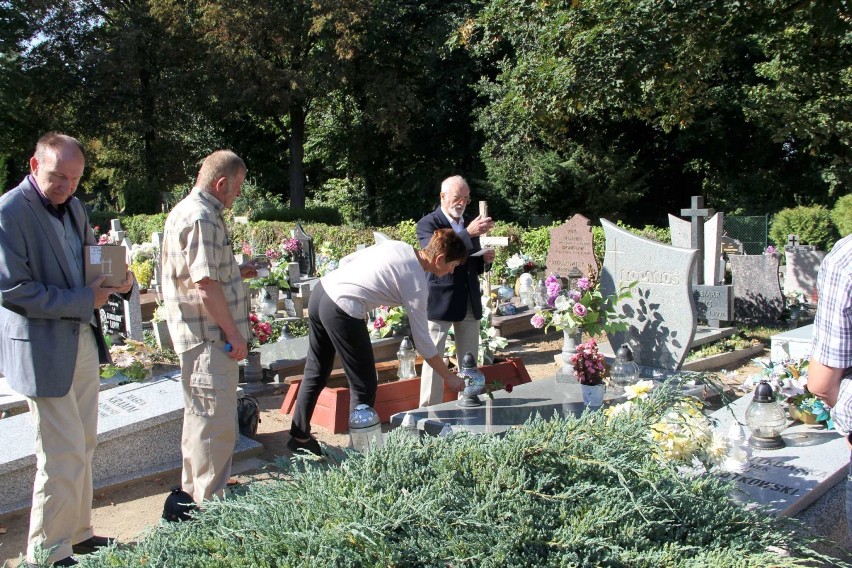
(365,429)
(765,418)
(505,292)
(624,371)
(526,290)
(474,381)
(541,295)
(573,275)
(409,426)
(406,357)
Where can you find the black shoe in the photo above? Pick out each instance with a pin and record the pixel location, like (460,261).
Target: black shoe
(90,545)
(68,561)
(311,445)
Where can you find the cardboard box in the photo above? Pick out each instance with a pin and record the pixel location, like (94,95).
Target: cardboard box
(110,260)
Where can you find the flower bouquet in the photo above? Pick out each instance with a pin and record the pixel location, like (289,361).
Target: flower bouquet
(264,330)
(143,258)
(520,263)
(789,380)
(328,258)
(582,307)
(589,365)
(134,360)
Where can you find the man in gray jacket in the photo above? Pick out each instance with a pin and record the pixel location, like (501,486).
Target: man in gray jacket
(51,344)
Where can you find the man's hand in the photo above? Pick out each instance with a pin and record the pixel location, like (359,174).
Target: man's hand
(456,383)
(479,226)
(239,346)
(102,293)
(488,256)
(125,286)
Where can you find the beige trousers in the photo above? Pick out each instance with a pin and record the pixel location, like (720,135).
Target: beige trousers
(66,436)
(466,334)
(210,379)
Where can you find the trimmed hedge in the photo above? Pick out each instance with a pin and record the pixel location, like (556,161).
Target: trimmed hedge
(813,225)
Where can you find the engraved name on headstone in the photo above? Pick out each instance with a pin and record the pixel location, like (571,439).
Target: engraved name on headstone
(571,246)
(714,304)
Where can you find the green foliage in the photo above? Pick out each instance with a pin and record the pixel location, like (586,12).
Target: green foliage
(313,214)
(813,225)
(140,227)
(347,197)
(842,215)
(254,202)
(566,492)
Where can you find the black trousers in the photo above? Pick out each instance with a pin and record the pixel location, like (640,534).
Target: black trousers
(331,330)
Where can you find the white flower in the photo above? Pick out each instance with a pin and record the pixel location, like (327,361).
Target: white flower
(563,303)
(515,262)
(639,390)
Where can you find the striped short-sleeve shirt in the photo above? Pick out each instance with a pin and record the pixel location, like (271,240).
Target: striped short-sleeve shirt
(196,246)
(832,337)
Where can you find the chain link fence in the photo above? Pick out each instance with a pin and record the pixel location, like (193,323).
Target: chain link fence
(751,230)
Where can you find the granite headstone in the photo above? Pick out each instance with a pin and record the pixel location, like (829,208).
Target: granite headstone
(757,291)
(661,313)
(571,246)
(307,260)
(681,235)
(802,267)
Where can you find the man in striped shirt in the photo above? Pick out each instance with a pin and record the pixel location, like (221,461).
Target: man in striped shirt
(207,314)
(830,368)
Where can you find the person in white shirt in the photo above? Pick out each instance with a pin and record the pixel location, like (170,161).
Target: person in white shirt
(391,273)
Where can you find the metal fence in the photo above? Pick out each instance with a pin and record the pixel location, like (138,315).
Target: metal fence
(751,230)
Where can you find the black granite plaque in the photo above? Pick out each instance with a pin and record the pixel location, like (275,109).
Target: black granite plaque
(713,304)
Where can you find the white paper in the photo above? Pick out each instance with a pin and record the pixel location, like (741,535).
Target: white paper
(480,252)
(95,255)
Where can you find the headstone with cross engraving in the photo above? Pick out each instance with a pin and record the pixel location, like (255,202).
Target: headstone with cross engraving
(801,267)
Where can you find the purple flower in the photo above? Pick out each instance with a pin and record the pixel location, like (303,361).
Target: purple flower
(575,295)
(584,284)
(770,250)
(580,310)
(550,280)
(537,321)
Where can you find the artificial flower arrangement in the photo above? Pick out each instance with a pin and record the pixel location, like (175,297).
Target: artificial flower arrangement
(278,276)
(589,366)
(134,360)
(582,307)
(264,330)
(789,380)
(327,259)
(682,432)
(143,259)
(520,263)
(387,319)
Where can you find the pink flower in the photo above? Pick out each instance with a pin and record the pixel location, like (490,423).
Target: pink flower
(379,323)
(584,284)
(580,310)
(246,248)
(537,321)
(575,295)
(103,239)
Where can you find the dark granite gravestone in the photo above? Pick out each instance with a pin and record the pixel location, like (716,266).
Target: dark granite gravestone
(731,246)
(661,313)
(571,247)
(307,259)
(714,304)
(757,292)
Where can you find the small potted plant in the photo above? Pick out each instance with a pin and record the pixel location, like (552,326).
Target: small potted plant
(590,370)
(143,258)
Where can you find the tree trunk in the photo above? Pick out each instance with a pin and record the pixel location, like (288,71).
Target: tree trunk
(297,156)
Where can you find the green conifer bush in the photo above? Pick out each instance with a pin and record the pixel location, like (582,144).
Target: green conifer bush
(586,491)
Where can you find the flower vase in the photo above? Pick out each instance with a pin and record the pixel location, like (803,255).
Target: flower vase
(593,396)
(572,338)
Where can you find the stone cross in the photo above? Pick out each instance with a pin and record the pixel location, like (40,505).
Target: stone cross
(792,240)
(697,214)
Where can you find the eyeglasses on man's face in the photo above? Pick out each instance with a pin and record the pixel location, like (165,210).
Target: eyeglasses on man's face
(457,199)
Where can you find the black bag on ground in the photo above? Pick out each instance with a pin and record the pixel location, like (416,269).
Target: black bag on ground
(178,505)
(248,415)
